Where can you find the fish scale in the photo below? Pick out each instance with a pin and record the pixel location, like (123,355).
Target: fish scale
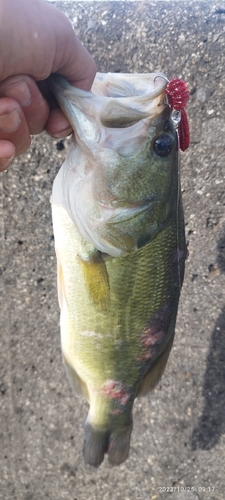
(118,306)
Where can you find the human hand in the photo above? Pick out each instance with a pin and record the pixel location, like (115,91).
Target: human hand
(35,41)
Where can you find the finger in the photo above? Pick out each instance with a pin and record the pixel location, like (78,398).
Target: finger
(72,60)
(57,124)
(79,68)
(13,125)
(25,91)
(7,153)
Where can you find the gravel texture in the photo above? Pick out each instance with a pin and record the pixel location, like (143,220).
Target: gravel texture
(177,447)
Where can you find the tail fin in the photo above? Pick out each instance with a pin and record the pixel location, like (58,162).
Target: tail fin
(115,442)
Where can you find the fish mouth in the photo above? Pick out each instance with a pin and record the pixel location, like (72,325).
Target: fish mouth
(119,100)
(129,86)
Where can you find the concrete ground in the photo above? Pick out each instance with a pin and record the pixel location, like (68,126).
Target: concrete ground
(177,447)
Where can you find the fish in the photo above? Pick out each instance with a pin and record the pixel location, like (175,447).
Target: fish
(120,244)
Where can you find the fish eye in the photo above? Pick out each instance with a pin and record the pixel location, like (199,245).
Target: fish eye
(163,145)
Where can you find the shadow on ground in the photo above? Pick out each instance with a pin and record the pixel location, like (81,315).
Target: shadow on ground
(212,421)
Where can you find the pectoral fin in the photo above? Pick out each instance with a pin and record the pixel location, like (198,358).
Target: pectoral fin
(96,280)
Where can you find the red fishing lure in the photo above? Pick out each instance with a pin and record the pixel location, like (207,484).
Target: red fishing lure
(178,95)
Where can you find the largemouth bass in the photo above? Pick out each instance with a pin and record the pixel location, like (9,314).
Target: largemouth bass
(120,245)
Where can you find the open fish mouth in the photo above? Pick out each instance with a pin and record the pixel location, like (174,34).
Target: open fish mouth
(128,85)
(120,100)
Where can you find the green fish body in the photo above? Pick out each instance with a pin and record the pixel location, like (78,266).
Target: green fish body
(120,245)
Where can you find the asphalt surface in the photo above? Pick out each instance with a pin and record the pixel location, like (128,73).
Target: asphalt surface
(177,447)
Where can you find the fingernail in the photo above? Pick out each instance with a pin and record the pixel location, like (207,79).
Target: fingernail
(10,122)
(21,92)
(63,133)
(58,125)
(5,162)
